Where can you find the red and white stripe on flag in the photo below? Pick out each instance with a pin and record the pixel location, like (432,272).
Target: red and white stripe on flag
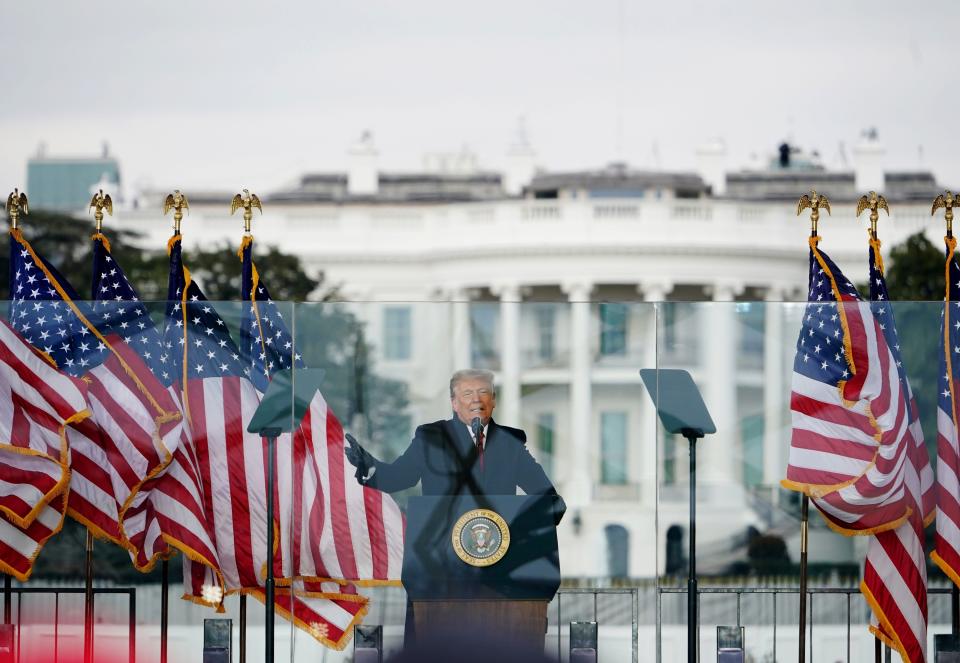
(848,447)
(895,575)
(37,403)
(170,511)
(849,443)
(316,497)
(337,528)
(228,463)
(134,428)
(325,611)
(947,550)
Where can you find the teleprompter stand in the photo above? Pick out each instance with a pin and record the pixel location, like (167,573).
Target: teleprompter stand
(281,411)
(681,410)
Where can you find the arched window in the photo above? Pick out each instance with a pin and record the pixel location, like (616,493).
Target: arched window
(618,551)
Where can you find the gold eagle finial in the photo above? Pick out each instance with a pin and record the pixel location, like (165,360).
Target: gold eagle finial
(247,201)
(17,205)
(947,201)
(873,202)
(177,202)
(814,201)
(100,201)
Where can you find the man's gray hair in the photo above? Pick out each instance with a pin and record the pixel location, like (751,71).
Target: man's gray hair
(470,374)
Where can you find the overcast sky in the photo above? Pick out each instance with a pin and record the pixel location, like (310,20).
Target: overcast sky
(241,94)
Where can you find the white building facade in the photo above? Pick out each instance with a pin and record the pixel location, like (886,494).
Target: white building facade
(565,291)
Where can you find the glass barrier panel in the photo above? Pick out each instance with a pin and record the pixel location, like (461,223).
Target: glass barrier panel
(745,358)
(174,405)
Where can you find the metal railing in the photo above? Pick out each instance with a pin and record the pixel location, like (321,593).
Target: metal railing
(131,593)
(774,592)
(634,594)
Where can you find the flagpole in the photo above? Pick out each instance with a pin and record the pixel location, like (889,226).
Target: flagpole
(874,203)
(247,201)
(271,464)
(88,603)
(813,202)
(243,628)
(804,519)
(16,203)
(7,599)
(177,202)
(954,610)
(947,201)
(98,203)
(164,607)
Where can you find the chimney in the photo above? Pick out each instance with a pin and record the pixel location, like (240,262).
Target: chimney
(362,175)
(521,161)
(712,165)
(868,157)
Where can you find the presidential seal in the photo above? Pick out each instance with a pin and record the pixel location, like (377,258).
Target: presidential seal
(480,537)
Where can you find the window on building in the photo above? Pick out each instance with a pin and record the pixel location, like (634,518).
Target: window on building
(752,431)
(667,326)
(483,334)
(613,448)
(750,322)
(613,330)
(669,458)
(546,425)
(545,315)
(546,194)
(618,551)
(396,332)
(678,331)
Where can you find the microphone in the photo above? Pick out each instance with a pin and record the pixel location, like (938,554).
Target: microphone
(475,426)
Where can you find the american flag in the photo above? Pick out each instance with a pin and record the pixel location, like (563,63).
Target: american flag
(165,511)
(947,549)
(37,403)
(848,448)
(318,567)
(368,547)
(134,424)
(219,399)
(895,574)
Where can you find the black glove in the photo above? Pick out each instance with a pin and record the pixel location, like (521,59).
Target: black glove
(359,457)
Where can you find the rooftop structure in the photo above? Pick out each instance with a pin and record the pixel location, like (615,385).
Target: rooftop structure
(67,183)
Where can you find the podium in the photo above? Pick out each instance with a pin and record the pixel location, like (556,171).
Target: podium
(482,566)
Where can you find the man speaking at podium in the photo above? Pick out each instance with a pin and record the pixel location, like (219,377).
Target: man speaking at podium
(469,453)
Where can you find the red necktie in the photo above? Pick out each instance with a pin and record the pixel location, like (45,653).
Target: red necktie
(480,446)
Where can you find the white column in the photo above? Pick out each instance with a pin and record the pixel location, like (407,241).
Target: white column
(649,443)
(775,397)
(508,400)
(579,486)
(717,453)
(460,337)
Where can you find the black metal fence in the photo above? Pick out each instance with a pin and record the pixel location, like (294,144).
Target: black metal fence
(22,604)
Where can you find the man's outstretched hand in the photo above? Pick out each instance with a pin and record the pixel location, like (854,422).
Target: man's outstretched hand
(359,457)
